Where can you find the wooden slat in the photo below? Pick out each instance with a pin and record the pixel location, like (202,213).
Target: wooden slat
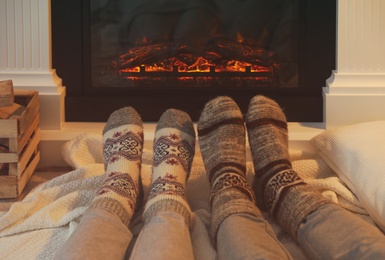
(8,187)
(7,112)
(13,145)
(27,133)
(27,154)
(9,157)
(6,93)
(8,128)
(29,113)
(28,172)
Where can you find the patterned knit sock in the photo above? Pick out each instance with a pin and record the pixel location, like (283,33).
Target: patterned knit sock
(221,132)
(174,148)
(122,147)
(278,187)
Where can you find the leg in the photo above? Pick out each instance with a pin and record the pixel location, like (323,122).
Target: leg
(167,215)
(103,230)
(237,226)
(166,236)
(262,242)
(278,187)
(332,232)
(99,235)
(323,229)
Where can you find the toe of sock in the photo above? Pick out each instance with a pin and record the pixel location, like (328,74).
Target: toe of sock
(218,110)
(123,116)
(264,107)
(174,118)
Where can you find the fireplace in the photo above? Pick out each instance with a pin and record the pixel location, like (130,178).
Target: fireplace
(183,53)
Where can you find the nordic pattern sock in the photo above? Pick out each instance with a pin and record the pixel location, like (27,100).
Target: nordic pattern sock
(278,187)
(174,149)
(122,149)
(222,137)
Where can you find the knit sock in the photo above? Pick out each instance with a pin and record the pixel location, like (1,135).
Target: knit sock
(174,149)
(122,149)
(278,187)
(221,132)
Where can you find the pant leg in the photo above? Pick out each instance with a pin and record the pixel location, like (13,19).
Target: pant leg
(166,236)
(99,235)
(332,232)
(242,236)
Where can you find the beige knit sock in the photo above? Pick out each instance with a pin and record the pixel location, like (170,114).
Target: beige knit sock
(122,149)
(174,149)
(278,187)
(221,132)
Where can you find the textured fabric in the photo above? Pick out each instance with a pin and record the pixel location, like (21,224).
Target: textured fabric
(166,236)
(122,149)
(279,188)
(356,154)
(50,213)
(174,149)
(100,235)
(332,232)
(222,140)
(319,176)
(243,236)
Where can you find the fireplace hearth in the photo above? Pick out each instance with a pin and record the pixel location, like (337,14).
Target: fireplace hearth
(127,53)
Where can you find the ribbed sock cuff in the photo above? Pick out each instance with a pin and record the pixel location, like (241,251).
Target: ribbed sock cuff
(162,203)
(226,203)
(296,204)
(114,207)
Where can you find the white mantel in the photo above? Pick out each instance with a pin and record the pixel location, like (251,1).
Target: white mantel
(354,93)
(25,55)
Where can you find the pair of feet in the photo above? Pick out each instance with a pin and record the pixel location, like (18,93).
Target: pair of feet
(222,140)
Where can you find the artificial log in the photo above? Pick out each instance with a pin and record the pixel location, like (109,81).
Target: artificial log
(232,50)
(146,54)
(6,93)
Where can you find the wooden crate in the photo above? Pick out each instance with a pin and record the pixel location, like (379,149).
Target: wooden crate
(19,140)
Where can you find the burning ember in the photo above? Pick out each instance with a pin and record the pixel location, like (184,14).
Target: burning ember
(221,58)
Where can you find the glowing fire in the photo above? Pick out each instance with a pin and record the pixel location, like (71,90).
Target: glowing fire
(222,58)
(200,65)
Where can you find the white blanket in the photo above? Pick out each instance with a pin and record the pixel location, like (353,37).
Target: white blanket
(37,227)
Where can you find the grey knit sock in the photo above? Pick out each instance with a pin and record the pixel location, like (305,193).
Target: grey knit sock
(221,132)
(122,149)
(174,149)
(278,187)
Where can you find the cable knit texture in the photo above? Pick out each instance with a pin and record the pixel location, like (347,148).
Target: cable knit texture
(279,188)
(174,149)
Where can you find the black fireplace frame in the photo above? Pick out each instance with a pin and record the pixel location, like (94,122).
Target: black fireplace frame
(83,103)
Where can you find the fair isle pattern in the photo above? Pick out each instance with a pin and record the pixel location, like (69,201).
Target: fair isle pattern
(173,150)
(167,185)
(123,185)
(276,185)
(124,144)
(231,180)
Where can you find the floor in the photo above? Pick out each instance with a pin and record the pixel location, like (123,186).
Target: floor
(40,175)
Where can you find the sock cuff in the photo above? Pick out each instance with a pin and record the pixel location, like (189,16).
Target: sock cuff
(113,206)
(226,203)
(232,181)
(165,202)
(275,186)
(296,204)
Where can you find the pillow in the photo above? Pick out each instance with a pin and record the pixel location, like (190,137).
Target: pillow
(357,154)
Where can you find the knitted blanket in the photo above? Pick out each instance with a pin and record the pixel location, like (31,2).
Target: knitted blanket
(37,227)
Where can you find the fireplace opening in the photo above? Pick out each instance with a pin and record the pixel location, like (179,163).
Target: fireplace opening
(194,43)
(154,55)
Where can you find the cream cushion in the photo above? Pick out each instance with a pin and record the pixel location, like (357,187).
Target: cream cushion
(357,154)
